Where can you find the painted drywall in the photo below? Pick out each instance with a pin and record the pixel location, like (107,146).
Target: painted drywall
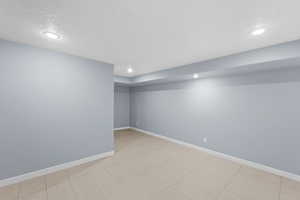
(121,106)
(253,116)
(54,108)
(275,54)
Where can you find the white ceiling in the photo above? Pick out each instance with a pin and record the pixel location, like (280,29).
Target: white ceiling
(150,35)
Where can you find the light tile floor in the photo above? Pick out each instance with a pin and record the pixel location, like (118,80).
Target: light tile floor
(146,167)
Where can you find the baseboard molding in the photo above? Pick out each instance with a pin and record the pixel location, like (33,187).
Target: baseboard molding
(56,168)
(227,157)
(122,128)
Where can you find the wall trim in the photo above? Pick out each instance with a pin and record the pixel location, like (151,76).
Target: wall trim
(122,128)
(225,156)
(56,168)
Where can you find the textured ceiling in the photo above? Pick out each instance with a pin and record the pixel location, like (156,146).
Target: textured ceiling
(150,35)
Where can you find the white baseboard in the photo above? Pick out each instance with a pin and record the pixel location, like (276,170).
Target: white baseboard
(122,128)
(227,157)
(56,168)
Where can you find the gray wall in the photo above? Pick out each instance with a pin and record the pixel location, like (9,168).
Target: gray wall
(121,106)
(252,116)
(54,108)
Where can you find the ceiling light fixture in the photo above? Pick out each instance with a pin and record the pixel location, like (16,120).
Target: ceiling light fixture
(52,35)
(258,31)
(129,70)
(195,76)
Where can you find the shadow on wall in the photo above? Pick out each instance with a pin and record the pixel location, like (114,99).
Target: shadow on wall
(291,74)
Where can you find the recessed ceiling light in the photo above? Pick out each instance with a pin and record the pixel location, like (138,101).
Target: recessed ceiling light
(258,31)
(52,35)
(129,70)
(195,76)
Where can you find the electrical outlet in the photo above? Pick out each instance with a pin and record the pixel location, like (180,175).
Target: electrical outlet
(205,140)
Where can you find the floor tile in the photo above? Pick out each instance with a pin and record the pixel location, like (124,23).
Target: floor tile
(290,190)
(9,192)
(210,179)
(172,192)
(252,184)
(147,168)
(86,187)
(33,189)
(133,188)
(92,180)
(59,186)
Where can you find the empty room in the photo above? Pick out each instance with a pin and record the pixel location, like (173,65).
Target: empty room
(149,100)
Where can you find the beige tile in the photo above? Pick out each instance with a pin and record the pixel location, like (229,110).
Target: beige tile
(9,192)
(130,186)
(59,187)
(159,170)
(173,192)
(146,168)
(252,184)
(115,186)
(100,175)
(229,196)
(290,190)
(125,139)
(133,189)
(210,179)
(136,161)
(81,169)
(189,159)
(160,177)
(86,188)
(121,170)
(33,189)
(130,182)
(90,182)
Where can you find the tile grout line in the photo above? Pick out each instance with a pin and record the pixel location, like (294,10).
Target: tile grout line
(280,188)
(231,179)
(101,186)
(72,185)
(46,187)
(19,191)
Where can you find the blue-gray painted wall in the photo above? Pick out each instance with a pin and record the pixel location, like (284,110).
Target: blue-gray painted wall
(54,108)
(253,116)
(121,106)
(271,57)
